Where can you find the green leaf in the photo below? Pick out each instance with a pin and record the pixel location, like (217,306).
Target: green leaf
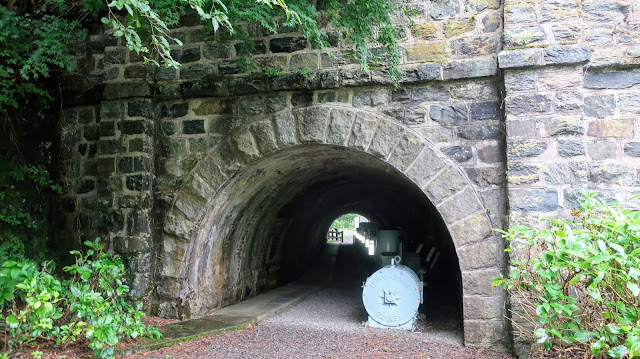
(618,352)
(12,322)
(634,288)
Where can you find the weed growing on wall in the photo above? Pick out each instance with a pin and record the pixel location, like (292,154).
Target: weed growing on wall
(576,285)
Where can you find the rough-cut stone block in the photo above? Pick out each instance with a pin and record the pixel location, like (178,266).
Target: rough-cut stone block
(523,36)
(429,52)
(569,173)
(632,149)
(445,185)
(629,103)
(406,151)
(362,131)
(619,175)
(518,58)
(485,110)
(489,334)
(190,204)
(141,108)
(519,81)
(534,103)
(312,124)
(478,45)
(449,114)
(478,282)
(519,173)
(533,199)
(599,106)
(569,54)
(611,79)
(247,85)
(209,169)
(459,206)
(202,88)
(444,9)
(520,12)
(385,138)
(421,72)
(521,149)
(485,176)
(476,307)
(341,121)
(424,93)
(476,6)
(264,136)
(245,144)
(602,150)
(563,125)
(425,167)
(480,255)
(611,12)
(559,10)
(286,129)
(252,105)
(480,132)
(568,101)
(115,56)
(611,129)
(460,69)
(458,153)
(354,77)
(568,148)
(287,44)
(471,229)
(490,154)
(197,71)
(190,127)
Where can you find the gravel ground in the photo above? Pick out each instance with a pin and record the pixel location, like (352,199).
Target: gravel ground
(329,324)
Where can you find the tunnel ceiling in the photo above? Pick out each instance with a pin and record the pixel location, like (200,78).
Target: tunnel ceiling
(271,219)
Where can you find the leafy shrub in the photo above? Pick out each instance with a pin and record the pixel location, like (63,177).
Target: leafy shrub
(91,304)
(576,284)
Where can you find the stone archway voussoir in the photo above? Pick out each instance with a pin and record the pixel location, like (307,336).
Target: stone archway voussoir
(362,131)
(406,151)
(459,206)
(340,126)
(426,165)
(312,124)
(445,184)
(474,228)
(480,255)
(385,138)
(264,135)
(286,129)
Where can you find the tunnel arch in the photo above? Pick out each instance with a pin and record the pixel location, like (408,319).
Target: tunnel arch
(278,151)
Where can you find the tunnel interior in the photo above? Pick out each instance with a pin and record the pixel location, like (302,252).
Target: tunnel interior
(269,222)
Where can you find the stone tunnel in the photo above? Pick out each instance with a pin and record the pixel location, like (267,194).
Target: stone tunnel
(216,182)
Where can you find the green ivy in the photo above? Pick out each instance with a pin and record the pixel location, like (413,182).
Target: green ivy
(577,283)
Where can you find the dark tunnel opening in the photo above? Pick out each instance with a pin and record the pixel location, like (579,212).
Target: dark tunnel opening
(271,220)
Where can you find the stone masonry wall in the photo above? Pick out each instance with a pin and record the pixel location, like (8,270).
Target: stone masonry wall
(572,101)
(139,129)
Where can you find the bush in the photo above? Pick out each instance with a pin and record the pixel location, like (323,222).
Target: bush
(577,283)
(91,304)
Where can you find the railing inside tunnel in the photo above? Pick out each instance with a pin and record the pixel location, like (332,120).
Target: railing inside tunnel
(335,235)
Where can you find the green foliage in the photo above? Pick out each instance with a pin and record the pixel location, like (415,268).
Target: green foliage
(31,44)
(577,283)
(91,304)
(23,209)
(345,221)
(273,72)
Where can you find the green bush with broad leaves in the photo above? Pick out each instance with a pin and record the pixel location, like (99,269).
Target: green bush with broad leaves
(91,304)
(575,285)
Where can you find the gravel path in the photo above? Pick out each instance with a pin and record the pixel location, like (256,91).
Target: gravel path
(329,324)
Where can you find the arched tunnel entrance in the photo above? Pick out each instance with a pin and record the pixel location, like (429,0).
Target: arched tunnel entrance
(272,218)
(255,211)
